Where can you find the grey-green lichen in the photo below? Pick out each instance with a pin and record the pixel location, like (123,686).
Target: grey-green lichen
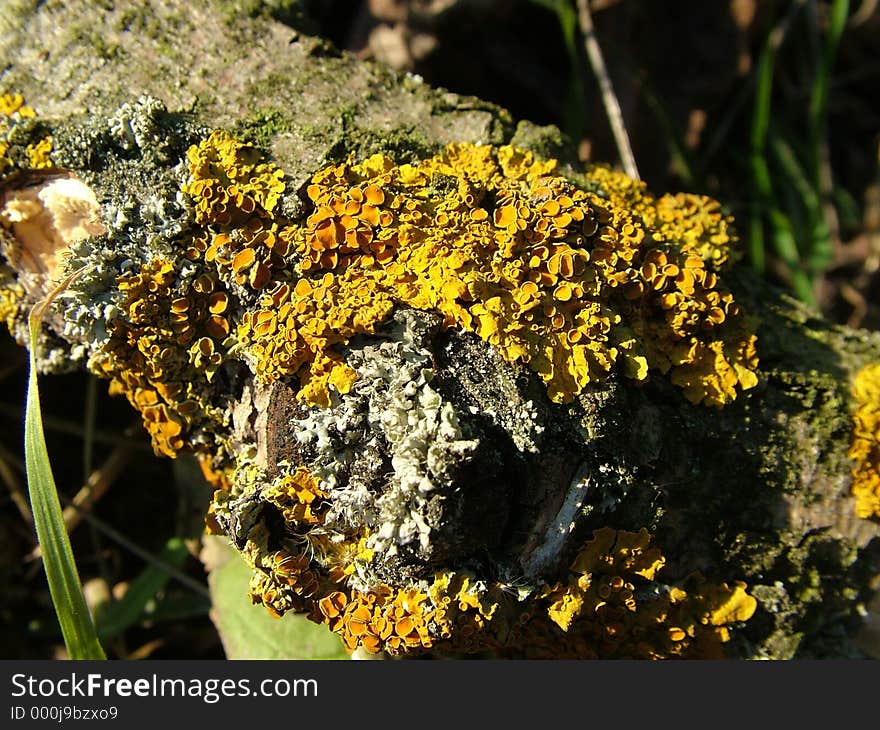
(399,420)
(401,459)
(133,161)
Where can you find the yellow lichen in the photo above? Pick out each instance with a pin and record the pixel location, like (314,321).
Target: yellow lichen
(38,153)
(298,497)
(235,194)
(604,614)
(11,297)
(570,283)
(865,450)
(12,111)
(574,284)
(626,552)
(13,104)
(699,225)
(725,604)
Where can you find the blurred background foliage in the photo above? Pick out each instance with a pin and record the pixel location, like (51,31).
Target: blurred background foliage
(771,106)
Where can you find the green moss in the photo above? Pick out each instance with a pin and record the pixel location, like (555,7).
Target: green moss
(13,10)
(290,12)
(262,126)
(268,86)
(816,407)
(807,594)
(402,145)
(322,47)
(162,29)
(545,141)
(96,39)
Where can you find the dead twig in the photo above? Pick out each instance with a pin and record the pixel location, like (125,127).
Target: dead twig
(145,555)
(96,486)
(15,485)
(606,88)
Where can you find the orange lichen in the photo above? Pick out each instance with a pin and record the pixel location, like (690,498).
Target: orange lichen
(570,283)
(450,612)
(865,450)
(217,474)
(609,606)
(310,572)
(573,284)
(298,497)
(289,578)
(597,613)
(157,345)
(229,183)
(379,620)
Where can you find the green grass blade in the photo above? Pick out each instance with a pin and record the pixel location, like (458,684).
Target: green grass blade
(763,96)
(61,573)
(818,109)
(551,5)
(180,608)
(788,162)
(848,208)
(757,253)
(762,195)
(574,122)
(682,160)
(760,123)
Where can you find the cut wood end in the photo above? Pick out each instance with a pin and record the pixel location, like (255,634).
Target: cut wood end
(45,219)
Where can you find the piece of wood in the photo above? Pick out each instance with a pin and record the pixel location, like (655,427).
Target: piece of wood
(757,491)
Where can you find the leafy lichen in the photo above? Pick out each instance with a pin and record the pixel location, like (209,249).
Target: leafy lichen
(549,274)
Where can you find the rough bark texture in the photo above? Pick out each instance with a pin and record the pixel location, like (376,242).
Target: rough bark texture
(757,491)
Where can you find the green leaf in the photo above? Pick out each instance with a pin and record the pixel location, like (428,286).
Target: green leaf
(248,631)
(64,583)
(786,248)
(814,239)
(180,608)
(118,616)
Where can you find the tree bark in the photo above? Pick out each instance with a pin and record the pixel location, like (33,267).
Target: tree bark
(757,491)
